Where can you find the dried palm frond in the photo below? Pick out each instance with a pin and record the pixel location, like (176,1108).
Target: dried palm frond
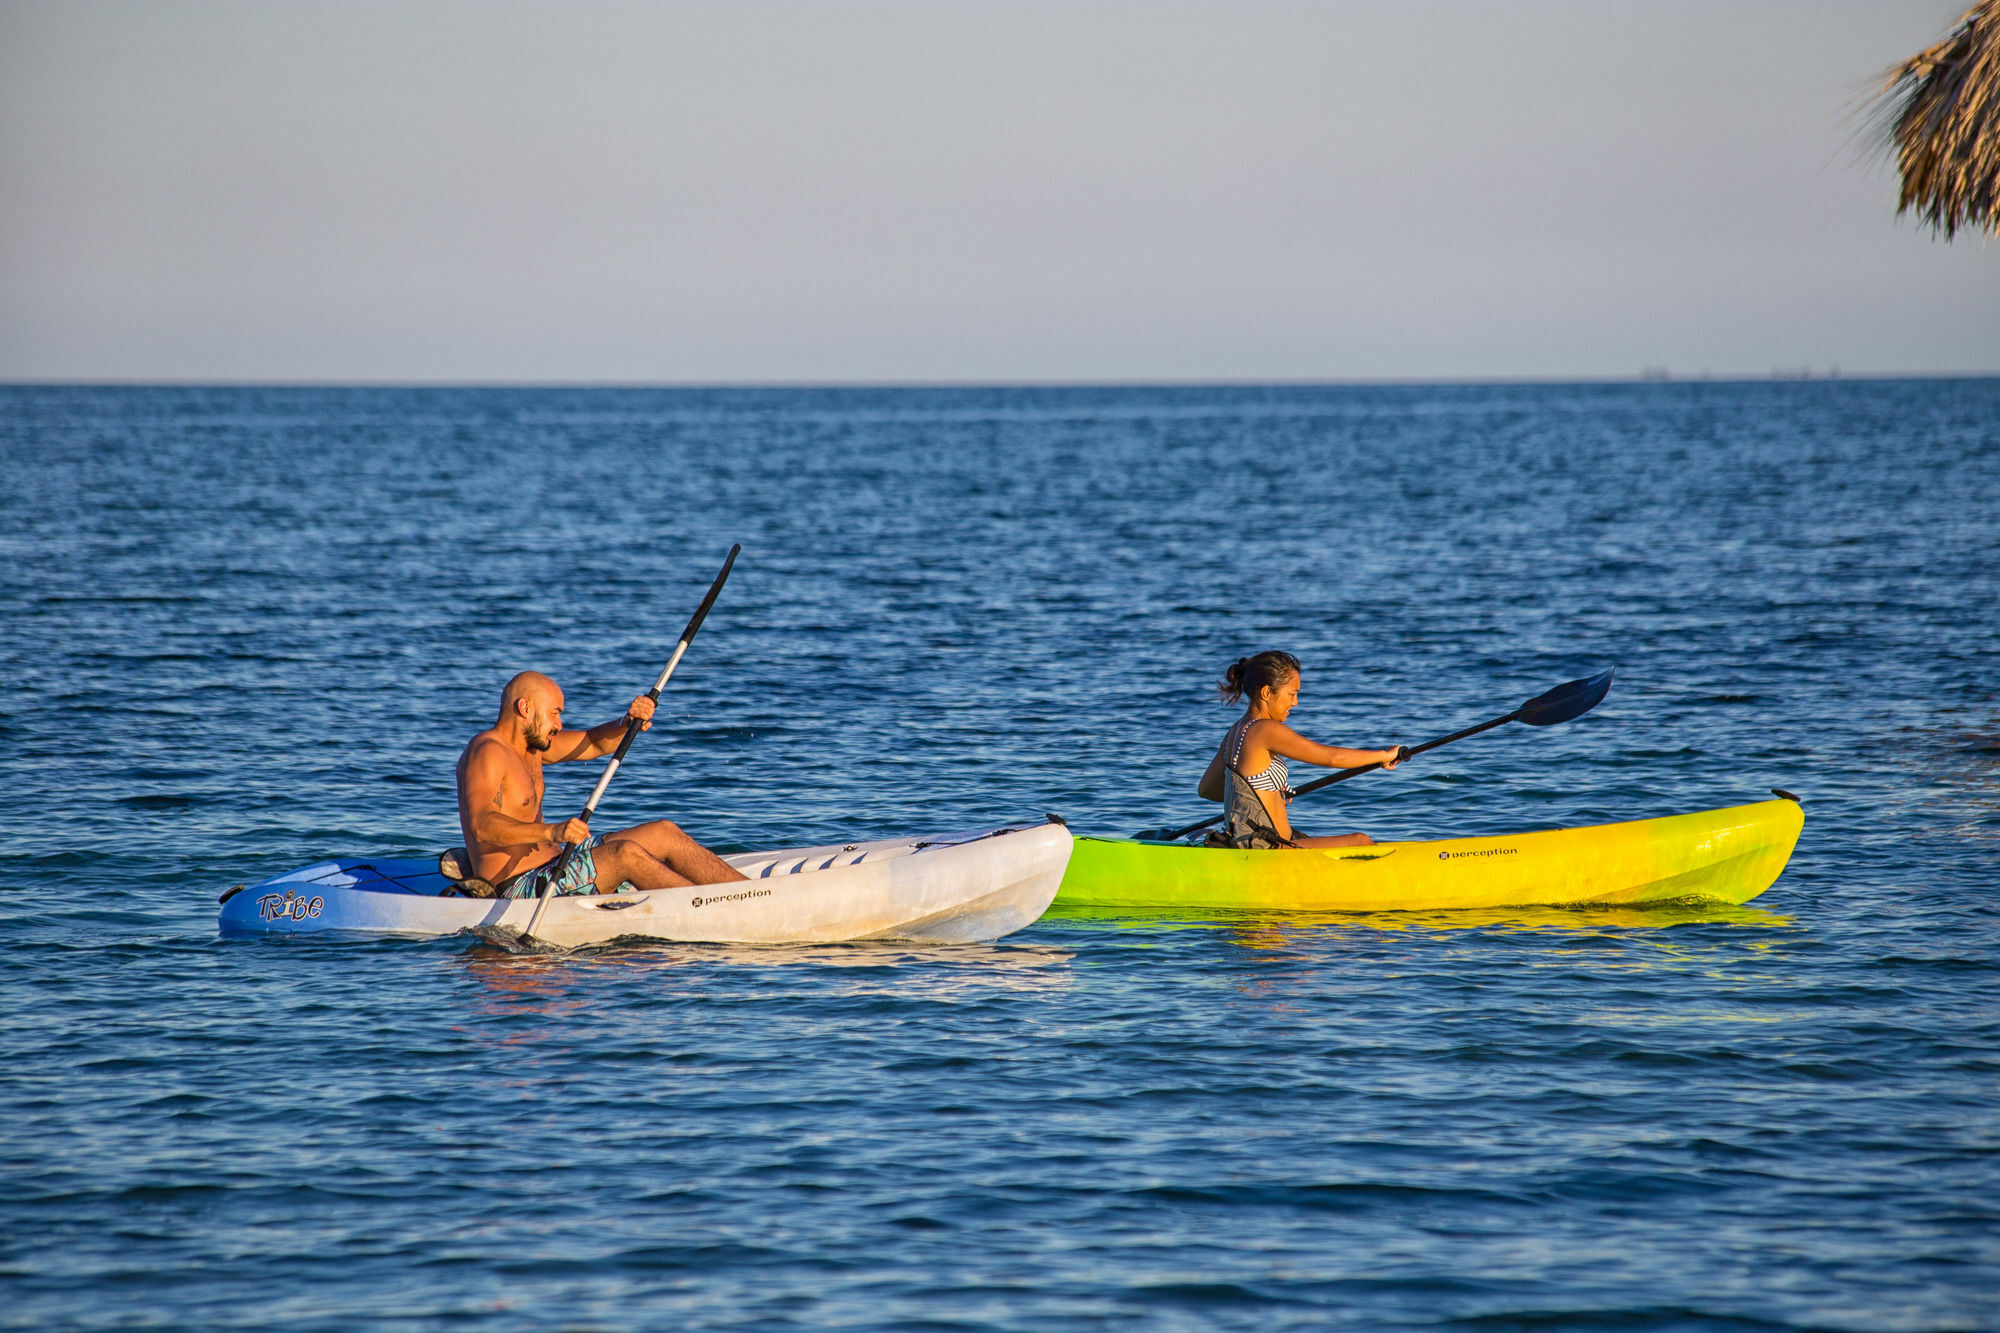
(1941,109)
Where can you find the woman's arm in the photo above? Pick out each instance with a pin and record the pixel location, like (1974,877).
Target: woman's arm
(1278,738)
(1210,787)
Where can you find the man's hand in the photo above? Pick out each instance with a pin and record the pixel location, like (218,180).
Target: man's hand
(641,712)
(570,831)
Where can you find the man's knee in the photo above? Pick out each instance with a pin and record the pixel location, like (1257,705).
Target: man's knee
(659,829)
(662,838)
(616,860)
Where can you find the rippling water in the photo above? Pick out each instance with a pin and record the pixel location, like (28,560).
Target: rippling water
(245,628)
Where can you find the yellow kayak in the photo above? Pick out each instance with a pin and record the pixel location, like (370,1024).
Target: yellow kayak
(1729,856)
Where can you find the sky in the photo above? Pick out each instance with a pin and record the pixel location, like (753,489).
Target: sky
(813,191)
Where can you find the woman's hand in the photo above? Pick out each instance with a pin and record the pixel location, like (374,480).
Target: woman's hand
(1390,758)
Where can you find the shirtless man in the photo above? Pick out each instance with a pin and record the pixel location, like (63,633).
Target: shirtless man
(500,807)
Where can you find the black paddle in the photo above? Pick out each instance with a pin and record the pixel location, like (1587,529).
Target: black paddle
(631,730)
(1561,704)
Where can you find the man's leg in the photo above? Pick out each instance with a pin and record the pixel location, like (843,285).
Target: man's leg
(620,861)
(675,852)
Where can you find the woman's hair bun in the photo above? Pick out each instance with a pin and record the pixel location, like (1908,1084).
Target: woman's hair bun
(1247,675)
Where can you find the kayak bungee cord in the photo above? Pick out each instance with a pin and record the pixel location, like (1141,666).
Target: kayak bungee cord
(625,742)
(1565,702)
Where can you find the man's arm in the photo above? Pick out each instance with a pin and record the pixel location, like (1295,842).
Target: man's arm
(486,801)
(601,739)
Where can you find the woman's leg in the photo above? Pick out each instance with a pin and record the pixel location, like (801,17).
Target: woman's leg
(1338,840)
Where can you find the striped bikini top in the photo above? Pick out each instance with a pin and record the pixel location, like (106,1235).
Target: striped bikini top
(1275,774)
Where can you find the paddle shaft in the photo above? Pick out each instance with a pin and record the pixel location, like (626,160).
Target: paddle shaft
(632,729)
(1408,751)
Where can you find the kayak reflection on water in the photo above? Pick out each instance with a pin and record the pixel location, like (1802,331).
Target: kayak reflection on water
(1248,773)
(1264,927)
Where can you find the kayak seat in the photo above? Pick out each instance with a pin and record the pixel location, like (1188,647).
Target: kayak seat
(456,865)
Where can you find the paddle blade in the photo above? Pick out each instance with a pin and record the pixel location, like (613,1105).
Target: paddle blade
(513,940)
(510,938)
(1566,702)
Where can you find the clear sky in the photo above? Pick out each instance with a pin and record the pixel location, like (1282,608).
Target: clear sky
(479,190)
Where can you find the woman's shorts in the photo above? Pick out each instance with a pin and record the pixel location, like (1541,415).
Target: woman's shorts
(1257,837)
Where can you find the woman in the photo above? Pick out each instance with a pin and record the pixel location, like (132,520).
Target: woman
(1248,772)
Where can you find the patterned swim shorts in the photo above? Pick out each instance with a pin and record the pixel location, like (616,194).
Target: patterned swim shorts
(579,874)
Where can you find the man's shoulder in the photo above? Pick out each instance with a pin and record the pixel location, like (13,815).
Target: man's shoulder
(486,750)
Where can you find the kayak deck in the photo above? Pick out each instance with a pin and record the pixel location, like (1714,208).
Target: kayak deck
(947,888)
(1729,855)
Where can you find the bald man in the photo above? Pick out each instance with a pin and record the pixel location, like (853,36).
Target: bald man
(500,807)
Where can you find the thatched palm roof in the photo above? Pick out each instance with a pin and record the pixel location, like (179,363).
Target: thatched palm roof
(1942,111)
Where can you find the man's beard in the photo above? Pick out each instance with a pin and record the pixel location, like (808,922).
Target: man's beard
(538,741)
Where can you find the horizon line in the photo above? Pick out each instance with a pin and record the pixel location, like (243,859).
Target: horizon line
(1779,375)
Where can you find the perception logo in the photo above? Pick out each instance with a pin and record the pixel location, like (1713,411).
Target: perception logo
(731,897)
(1486,851)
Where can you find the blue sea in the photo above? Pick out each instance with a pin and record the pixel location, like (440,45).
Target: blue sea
(246,628)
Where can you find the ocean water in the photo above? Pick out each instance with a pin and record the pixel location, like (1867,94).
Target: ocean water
(245,628)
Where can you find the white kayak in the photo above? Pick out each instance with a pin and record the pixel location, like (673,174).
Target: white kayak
(952,888)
